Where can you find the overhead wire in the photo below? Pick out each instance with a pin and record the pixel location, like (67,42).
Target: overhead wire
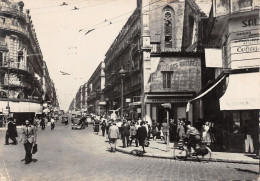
(73,9)
(109,20)
(56,6)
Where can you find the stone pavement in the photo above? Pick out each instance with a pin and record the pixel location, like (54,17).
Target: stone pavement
(158,149)
(66,154)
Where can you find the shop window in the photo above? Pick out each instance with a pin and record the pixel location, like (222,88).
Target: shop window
(167,79)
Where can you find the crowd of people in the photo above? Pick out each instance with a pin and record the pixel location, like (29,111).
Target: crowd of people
(141,132)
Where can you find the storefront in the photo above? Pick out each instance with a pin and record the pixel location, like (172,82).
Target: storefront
(240,107)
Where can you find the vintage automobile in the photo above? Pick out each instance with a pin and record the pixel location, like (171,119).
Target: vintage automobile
(78,123)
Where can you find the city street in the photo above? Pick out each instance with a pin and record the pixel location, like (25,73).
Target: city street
(66,154)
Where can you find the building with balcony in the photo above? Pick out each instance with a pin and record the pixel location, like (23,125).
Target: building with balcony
(125,53)
(21,64)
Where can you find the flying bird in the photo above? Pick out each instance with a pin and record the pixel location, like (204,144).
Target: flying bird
(64,4)
(89,31)
(110,23)
(64,73)
(75,8)
(105,20)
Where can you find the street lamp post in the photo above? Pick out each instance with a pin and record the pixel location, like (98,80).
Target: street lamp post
(167,106)
(8,89)
(122,73)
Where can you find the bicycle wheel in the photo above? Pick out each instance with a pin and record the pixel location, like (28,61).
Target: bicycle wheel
(180,153)
(205,154)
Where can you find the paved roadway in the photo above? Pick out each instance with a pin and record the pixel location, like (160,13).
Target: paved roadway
(66,154)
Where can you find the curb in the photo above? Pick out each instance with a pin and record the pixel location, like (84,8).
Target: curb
(256,162)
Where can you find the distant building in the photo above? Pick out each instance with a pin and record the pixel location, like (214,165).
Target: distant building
(96,103)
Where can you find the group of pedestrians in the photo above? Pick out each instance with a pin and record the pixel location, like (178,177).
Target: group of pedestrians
(28,135)
(140,132)
(47,120)
(128,131)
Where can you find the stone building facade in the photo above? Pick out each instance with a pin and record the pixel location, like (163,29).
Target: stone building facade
(21,64)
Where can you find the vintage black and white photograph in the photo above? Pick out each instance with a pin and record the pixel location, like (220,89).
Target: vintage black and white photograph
(129,90)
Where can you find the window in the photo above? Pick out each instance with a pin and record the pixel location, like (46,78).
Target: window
(168,29)
(167,79)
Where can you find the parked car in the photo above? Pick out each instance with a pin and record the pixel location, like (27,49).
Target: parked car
(78,123)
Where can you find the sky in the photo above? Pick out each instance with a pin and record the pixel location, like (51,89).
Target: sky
(66,47)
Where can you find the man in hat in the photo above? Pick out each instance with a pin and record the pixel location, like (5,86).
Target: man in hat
(28,134)
(11,132)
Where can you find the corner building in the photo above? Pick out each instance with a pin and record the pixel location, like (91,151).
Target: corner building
(157,70)
(21,64)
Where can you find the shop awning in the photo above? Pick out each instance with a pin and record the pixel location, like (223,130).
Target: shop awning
(204,93)
(243,92)
(18,107)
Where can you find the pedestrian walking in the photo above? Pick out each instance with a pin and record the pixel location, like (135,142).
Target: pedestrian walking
(133,134)
(66,121)
(181,130)
(125,133)
(103,127)
(43,123)
(141,135)
(108,125)
(52,123)
(155,130)
(11,132)
(113,135)
(96,126)
(248,137)
(29,136)
(205,133)
(119,125)
(165,130)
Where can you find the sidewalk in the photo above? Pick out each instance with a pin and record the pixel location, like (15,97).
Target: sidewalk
(157,149)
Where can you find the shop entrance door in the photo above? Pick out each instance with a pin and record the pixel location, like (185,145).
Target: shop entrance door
(181,112)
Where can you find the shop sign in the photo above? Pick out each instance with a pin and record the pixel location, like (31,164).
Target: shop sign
(246,51)
(242,24)
(249,45)
(244,34)
(166,100)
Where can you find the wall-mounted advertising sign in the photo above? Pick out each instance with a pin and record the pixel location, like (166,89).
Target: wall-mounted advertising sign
(174,74)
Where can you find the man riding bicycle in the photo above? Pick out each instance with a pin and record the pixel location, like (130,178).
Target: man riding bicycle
(193,136)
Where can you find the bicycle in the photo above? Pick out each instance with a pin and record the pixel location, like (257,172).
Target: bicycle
(202,152)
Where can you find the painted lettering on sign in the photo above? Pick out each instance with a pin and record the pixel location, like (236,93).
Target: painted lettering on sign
(249,22)
(175,74)
(247,49)
(173,66)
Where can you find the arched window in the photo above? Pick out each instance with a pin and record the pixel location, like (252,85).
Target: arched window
(168,29)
